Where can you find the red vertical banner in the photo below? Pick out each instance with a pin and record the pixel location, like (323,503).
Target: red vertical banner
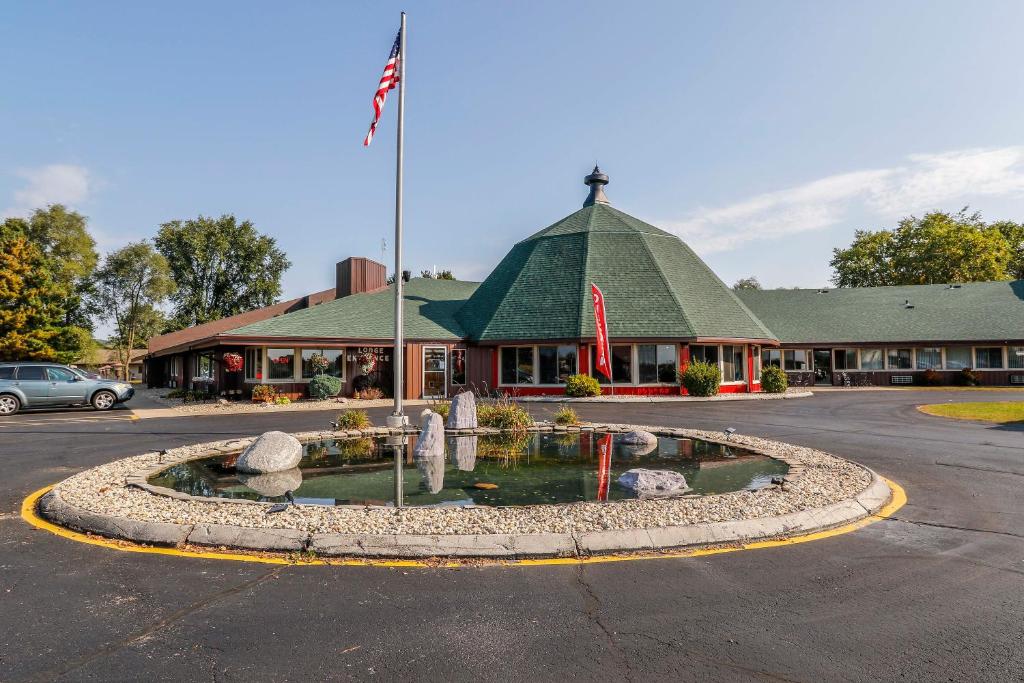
(604,466)
(603,362)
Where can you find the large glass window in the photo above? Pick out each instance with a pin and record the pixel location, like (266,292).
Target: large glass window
(732,363)
(899,359)
(656,363)
(622,365)
(771,357)
(958,357)
(204,366)
(281,363)
(254,364)
(1015,355)
(929,358)
(458,366)
(872,359)
(517,365)
(989,358)
(708,354)
(556,363)
(795,359)
(755,353)
(335,359)
(845,359)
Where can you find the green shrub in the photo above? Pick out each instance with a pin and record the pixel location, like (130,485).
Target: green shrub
(324,386)
(353,419)
(773,380)
(582,385)
(701,379)
(929,378)
(965,378)
(282,400)
(566,416)
(441,408)
(503,414)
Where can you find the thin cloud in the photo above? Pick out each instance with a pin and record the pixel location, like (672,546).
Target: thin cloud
(52,184)
(925,182)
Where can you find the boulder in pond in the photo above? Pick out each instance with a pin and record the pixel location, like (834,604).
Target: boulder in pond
(273,484)
(645,482)
(431,439)
(638,438)
(270,452)
(462,412)
(463,450)
(431,468)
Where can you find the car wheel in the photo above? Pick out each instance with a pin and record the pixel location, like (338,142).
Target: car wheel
(103,400)
(9,405)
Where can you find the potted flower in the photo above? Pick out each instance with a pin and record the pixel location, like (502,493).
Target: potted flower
(318,363)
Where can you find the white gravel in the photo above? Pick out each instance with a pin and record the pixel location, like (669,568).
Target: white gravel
(817,480)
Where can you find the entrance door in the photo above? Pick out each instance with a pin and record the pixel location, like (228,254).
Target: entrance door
(823,366)
(434,371)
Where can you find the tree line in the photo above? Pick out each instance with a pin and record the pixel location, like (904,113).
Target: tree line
(939,247)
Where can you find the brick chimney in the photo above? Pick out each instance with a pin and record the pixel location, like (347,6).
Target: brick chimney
(357,274)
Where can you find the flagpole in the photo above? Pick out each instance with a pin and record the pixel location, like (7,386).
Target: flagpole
(397,417)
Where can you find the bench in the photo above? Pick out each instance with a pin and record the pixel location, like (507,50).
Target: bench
(902,379)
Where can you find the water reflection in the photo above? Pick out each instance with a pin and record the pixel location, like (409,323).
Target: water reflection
(501,470)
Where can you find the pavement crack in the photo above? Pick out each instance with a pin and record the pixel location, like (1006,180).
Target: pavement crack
(954,527)
(593,612)
(153,628)
(757,673)
(979,469)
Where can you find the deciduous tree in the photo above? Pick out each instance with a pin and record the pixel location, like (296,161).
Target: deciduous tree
(747,283)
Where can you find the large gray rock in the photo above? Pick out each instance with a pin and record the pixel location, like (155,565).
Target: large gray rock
(273,484)
(462,412)
(270,452)
(431,439)
(645,482)
(638,438)
(463,451)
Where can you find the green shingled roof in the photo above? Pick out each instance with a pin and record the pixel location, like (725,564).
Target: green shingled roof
(655,286)
(429,308)
(976,311)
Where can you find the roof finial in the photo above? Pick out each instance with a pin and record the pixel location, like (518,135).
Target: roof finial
(596,180)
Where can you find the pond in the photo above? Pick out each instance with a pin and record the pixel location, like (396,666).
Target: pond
(535,468)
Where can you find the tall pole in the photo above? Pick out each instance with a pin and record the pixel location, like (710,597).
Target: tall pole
(397,418)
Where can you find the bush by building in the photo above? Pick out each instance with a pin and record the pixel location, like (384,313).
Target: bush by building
(324,386)
(701,378)
(773,380)
(578,386)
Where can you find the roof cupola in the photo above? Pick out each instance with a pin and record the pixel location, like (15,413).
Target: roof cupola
(596,180)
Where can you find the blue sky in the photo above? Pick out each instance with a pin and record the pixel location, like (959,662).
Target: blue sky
(762,133)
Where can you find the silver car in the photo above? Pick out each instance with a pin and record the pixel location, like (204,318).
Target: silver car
(42,385)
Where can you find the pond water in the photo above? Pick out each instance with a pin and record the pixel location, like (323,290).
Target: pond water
(476,470)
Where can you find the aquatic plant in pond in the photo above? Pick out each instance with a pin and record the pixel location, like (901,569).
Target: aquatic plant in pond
(523,469)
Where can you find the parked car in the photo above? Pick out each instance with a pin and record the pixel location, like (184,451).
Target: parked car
(37,385)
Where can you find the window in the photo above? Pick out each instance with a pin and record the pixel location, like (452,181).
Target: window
(732,363)
(254,364)
(929,358)
(708,354)
(1016,357)
(771,357)
(31,373)
(794,359)
(556,363)
(7,372)
(656,363)
(281,363)
(458,366)
(899,359)
(517,365)
(958,357)
(845,359)
(175,366)
(204,366)
(336,358)
(871,359)
(988,358)
(755,353)
(622,365)
(60,375)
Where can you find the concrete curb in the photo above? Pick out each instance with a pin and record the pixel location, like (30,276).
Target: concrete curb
(494,546)
(665,399)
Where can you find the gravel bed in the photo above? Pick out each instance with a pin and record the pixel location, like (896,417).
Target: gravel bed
(816,480)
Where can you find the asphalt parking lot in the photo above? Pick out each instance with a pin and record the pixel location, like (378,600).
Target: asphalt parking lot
(936,593)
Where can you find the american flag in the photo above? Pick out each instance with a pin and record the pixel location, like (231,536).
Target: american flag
(387,82)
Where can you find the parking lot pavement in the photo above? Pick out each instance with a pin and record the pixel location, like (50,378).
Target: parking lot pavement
(43,418)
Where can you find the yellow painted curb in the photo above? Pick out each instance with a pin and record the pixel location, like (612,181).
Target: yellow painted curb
(29,514)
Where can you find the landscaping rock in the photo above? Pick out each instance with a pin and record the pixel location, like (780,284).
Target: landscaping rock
(463,450)
(462,413)
(638,438)
(645,482)
(270,452)
(273,484)
(431,440)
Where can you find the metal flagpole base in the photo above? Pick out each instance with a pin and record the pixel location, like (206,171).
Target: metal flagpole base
(397,421)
